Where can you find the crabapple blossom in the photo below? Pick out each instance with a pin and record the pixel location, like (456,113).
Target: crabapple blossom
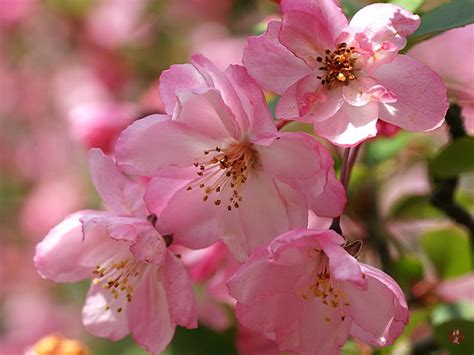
(344,76)
(138,285)
(446,54)
(305,292)
(218,156)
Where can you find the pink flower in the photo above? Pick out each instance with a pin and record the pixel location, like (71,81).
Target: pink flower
(305,292)
(446,54)
(218,156)
(344,76)
(138,285)
(458,289)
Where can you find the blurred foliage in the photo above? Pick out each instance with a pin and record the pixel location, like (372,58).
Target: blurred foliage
(449,251)
(455,159)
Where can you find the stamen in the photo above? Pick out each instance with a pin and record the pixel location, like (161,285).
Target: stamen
(339,66)
(227,166)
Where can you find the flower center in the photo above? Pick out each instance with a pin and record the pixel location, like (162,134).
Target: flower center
(119,277)
(324,288)
(226,170)
(339,66)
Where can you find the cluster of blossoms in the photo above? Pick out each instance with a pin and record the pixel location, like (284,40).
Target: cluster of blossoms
(216,169)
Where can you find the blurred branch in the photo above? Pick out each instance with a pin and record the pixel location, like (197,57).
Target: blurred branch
(444,189)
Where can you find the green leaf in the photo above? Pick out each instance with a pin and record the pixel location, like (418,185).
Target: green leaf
(456,13)
(350,7)
(381,149)
(407,270)
(449,251)
(455,159)
(202,341)
(410,5)
(415,207)
(447,319)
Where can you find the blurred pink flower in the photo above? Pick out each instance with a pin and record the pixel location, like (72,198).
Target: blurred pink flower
(35,219)
(200,10)
(98,124)
(138,286)
(114,23)
(458,289)
(14,11)
(214,42)
(220,129)
(349,75)
(305,292)
(446,54)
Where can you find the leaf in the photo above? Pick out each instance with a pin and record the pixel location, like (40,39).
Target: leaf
(407,270)
(448,319)
(410,5)
(449,251)
(456,13)
(455,159)
(381,148)
(350,7)
(414,208)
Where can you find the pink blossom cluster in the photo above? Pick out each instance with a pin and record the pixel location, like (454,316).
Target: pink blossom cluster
(212,190)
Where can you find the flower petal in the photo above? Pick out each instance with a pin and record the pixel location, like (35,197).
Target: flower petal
(155,142)
(120,193)
(421,95)
(206,113)
(379,313)
(148,314)
(270,63)
(179,292)
(101,318)
(385,22)
(329,12)
(191,220)
(253,102)
(350,125)
(66,256)
(179,77)
(298,34)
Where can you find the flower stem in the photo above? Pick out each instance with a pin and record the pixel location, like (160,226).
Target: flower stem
(348,161)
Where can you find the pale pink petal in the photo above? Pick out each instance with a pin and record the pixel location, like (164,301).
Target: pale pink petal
(65,255)
(332,200)
(179,292)
(120,193)
(218,80)
(458,289)
(160,190)
(421,95)
(278,158)
(350,125)
(148,314)
(253,101)
(206,114)
(260,202)
(155,142)
(272,64)
(101,318)
(179,77)
(364,90)
(385,22)
(379,313)
(287,106)
(321,328)
(328,11)
(342,266)
(149,246)
(468,116)
(191,220)
(298,34)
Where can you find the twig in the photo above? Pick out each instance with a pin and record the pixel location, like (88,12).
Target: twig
(443,189)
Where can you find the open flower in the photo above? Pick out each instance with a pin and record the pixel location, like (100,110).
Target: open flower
(344,76)
(138,285)
(305,292)
(220,167)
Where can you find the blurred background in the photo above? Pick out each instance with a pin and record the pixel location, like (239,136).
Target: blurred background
(75,73)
